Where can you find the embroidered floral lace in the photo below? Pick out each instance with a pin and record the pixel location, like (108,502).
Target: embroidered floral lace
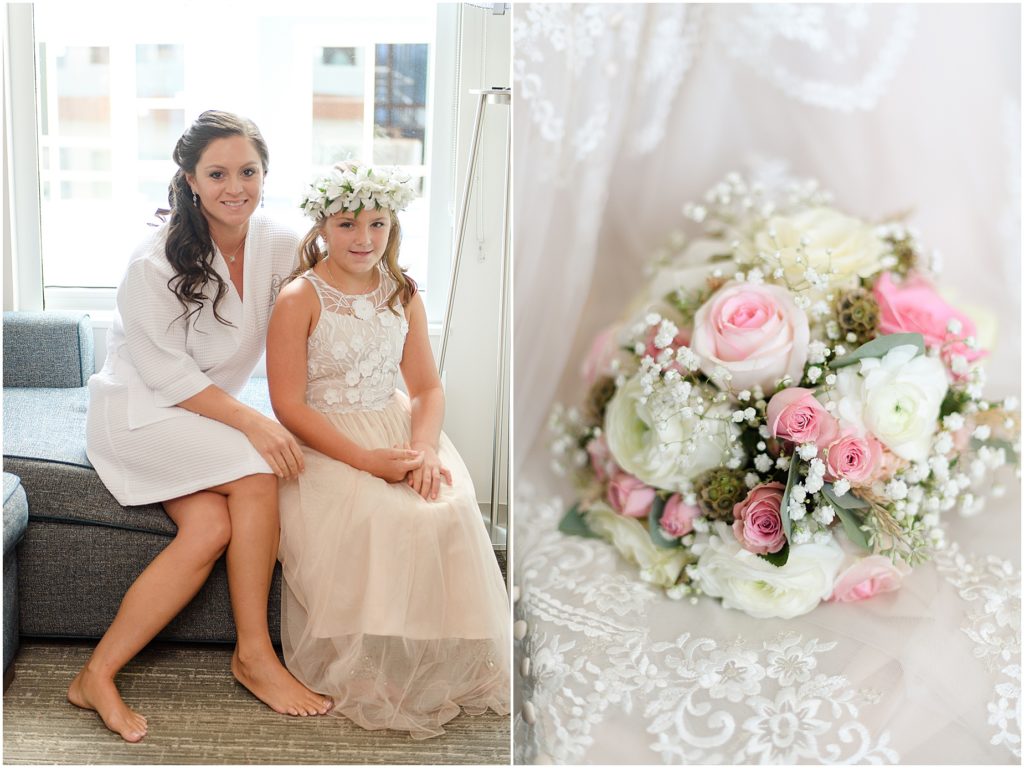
(355,349)
(605,661)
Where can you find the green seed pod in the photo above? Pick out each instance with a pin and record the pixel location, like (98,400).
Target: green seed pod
(719,490)
(857,313)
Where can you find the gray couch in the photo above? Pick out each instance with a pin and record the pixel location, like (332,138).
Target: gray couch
(82,550)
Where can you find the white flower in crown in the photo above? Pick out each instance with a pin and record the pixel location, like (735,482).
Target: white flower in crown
(350,186)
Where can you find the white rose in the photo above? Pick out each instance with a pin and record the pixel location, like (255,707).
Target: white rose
(631,538)
(835,242)
(751,584)
(896,398)
(652,450)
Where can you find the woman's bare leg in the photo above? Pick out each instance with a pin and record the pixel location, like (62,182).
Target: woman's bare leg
(157,596)
(251,555)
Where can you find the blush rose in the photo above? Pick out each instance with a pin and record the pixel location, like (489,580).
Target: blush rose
(677,519)
(855,458)
(629,496)
(757,522)
(866,578)
(914,306)
(603,350)
(795,415)
(755,332)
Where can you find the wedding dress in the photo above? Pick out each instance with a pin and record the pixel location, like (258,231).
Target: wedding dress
(623,114)
(392,604)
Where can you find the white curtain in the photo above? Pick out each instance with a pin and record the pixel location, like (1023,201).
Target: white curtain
(625,112)
(622,114)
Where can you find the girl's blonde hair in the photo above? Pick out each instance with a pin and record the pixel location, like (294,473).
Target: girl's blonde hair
(311,254)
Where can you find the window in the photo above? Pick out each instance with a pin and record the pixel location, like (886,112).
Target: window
(114,98)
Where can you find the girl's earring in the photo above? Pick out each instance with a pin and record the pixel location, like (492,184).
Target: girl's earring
(263,201)
(195,200)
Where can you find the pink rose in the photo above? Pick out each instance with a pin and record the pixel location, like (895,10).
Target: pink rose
(867,577)
(795,415)
(678,517)
(855,458)
(758,524)
(601,460)
(756,332)
(913,306)
(629,496)
(603,349)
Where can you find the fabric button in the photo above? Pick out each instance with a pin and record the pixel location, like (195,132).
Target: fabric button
(529,713)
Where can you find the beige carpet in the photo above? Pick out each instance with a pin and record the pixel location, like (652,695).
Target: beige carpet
(198,714)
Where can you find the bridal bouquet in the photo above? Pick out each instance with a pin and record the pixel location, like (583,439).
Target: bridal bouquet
(785,412)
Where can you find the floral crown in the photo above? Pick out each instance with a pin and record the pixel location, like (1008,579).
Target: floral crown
(349,186)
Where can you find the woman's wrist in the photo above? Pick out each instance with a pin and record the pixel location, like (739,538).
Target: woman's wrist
(419,445)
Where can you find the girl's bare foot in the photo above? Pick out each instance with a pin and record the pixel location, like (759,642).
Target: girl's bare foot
(90,690)
(268,680)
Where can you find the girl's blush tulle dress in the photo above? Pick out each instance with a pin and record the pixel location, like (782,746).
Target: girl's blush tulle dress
(392,604)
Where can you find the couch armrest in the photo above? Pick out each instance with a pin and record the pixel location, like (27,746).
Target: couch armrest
(47,349)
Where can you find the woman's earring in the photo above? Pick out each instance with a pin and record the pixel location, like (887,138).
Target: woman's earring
(263,201)
(195,200)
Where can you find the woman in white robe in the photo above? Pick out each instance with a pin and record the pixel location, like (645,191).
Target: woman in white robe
(164,425)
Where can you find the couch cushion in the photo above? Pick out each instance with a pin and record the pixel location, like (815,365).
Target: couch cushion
(46,424)
(49,424)
(47,349)
(15,511)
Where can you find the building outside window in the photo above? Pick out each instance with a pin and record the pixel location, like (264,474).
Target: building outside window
(113,100)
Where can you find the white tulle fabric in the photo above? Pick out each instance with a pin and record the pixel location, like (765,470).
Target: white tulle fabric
(392,604)
(625,112)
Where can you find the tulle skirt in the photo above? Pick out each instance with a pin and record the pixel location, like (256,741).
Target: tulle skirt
(392,604)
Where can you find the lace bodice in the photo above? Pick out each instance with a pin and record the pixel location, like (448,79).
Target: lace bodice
(355,349)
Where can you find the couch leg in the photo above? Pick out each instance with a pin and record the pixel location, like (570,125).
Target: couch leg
(8,676)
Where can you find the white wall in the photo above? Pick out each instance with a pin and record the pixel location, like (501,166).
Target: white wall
(472,354)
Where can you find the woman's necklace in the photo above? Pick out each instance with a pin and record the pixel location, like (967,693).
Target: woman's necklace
(231,258)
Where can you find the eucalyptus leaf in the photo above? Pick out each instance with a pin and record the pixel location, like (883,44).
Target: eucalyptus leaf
(878,347)
(846,501)
(845,507)
(851,524)
(573,524)
(654,525)
(787,525)
(778,559)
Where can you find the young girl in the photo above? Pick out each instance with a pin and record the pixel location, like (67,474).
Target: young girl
(394,604)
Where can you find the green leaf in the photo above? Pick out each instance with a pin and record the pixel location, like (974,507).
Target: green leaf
(846,501)
(574,524)
(778,559)
(654,527)
(878,347)
(851,520)
(787,525)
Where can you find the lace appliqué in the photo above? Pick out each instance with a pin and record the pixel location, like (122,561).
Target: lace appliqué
(702,699)
(354,352)
(840,57)
(991,586)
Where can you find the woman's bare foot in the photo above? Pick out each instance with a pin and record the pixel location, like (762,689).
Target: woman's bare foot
(268,680)
(90,690)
